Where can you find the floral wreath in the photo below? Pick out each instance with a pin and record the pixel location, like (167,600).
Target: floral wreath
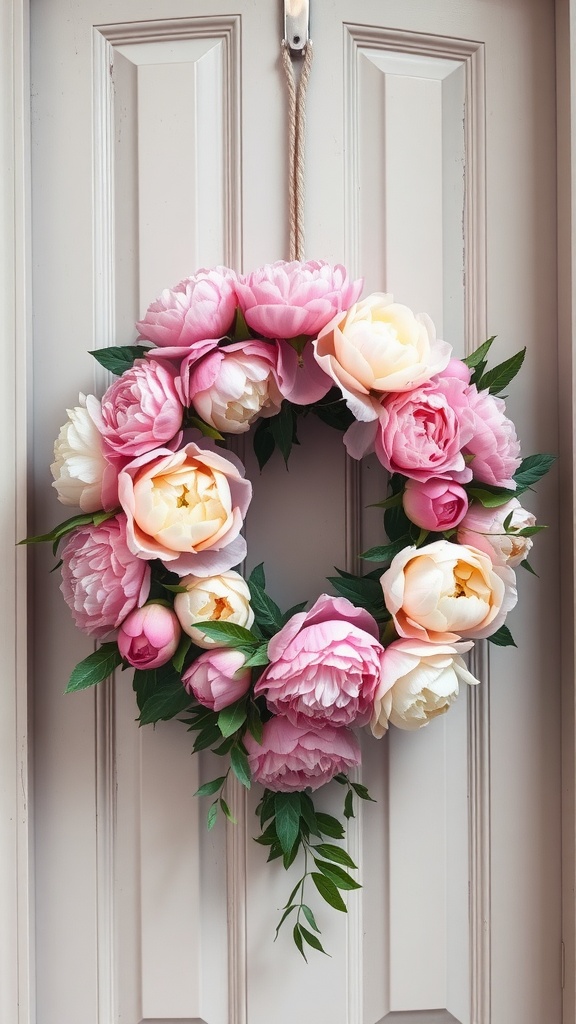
(148,566)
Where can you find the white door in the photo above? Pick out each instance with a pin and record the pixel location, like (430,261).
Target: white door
(159,146)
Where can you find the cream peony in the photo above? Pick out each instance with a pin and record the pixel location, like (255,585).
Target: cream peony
(222,598)
(83,477)
(419,682)
(483,528)
(376,347)
(442,591)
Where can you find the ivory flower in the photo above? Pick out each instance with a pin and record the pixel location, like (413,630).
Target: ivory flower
(83,477)
(222,598)
(483,528)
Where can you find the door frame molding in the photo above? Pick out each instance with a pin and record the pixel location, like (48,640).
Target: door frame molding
(17,1002)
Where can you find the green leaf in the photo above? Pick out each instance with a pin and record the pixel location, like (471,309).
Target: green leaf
(310,917)
(361,591)
(287,808)
(254,723)
(84,519)
(210,787)
(119,358)
(528,531)
(257,576)
(329,826)
(212,815)
(386,552)
(144,684)
(266,611)
(240,766)
(205,428)
(227,811)
(207,737)
(328,891)
(337,875)
(334,853)
(293,893)
(231,718)
(181,652)
(349,805)
(289,858)
(177,589)
(526,565)
(308,814)
(502,638)
(282,429)
(362,792)
(500,376)
(294,610)
(312,940)
(263,443)
(287,911)
(479,355)
(96,667)
(165,703)
(225,747)
(490,499)
(532,469)
(257,657)
(298,940)
(227,633)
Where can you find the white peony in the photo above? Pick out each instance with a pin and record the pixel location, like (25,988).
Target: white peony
(222,598)
(419,682)
(79,464)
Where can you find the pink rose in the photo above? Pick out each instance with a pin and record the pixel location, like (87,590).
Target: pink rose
(233,386)
(283,300)
(102,581)
(296,757)
(493,443)
(217,678)
(483,528)
(186,508)
(422,432)
(442,592)
(141,410)
(199,307)
(435,505)
(149,636)
(325,665)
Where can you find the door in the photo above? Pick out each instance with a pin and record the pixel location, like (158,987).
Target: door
(159,146)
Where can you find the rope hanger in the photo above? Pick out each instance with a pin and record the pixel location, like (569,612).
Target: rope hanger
(296,39)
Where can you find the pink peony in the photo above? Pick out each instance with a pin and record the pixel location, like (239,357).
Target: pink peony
(217,678)
(493,444)
(325,665)
(141,410)
(421,433)
(457,368)
(186,508)
(435,505)
(483,528)
(283,300)
(301,380)
(296,757)
(149,636)
(233,386)
(199,307)
(102,581)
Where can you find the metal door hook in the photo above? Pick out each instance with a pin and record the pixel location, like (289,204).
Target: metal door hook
(296,24)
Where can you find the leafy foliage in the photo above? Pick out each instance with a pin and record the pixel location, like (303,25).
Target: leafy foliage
(119,358)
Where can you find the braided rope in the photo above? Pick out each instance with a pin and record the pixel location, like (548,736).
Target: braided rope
(296,146)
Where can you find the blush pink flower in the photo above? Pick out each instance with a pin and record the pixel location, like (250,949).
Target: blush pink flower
(283,300)
(325,665)
(296,757)
(301,379)
(102,581)
(199,307)
(421,433)
(457,368)
(149,636)
(435,505)
(217,678)
(141,410)
(483,528)
(186,508)
(443,592)
(493,444)
(233,386)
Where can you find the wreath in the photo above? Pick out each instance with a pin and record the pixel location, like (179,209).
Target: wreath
(150,564)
